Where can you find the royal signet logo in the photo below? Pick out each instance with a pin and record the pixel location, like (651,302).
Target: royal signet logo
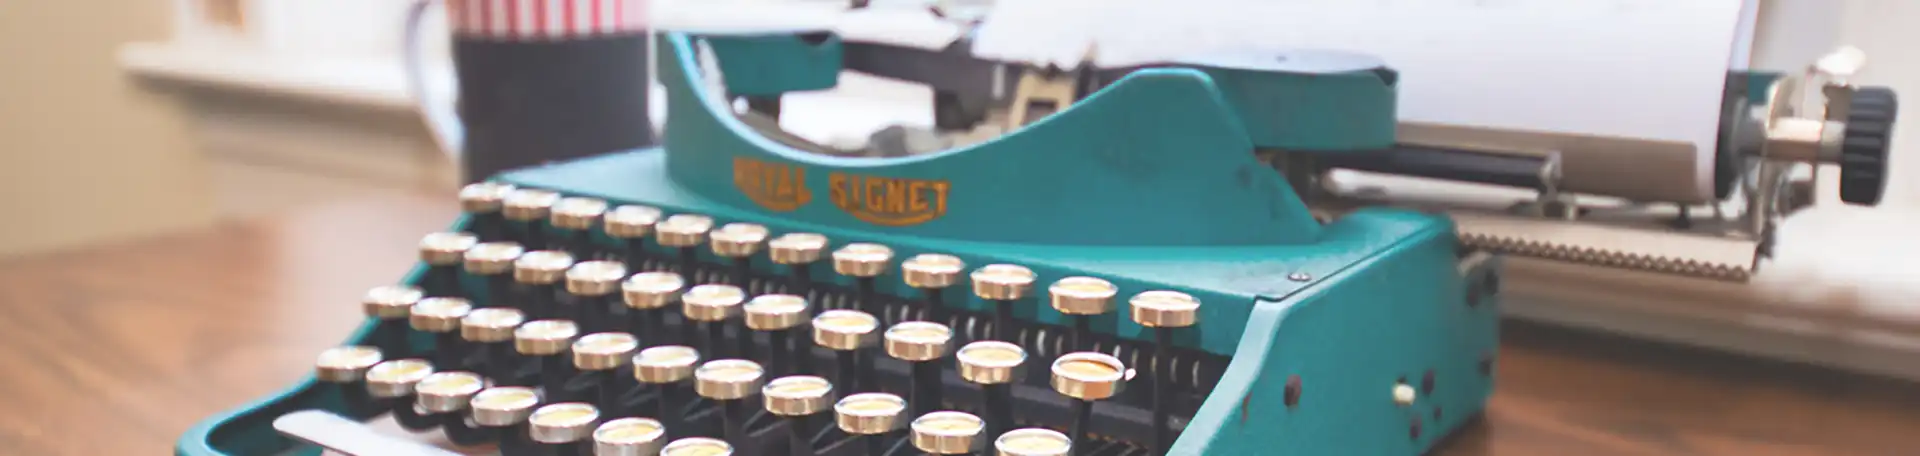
(888,201)
(778,187)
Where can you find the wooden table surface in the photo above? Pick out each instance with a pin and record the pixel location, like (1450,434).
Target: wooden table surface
(117,350)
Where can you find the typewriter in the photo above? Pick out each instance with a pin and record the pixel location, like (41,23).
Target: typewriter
(1121,277)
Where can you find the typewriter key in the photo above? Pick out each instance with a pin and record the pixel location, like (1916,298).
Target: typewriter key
(729,382)
(798,251)
(392,383)
(1087,377)
(440,400)
(995,366)
(711,306)
(1002,284)
(1164,311)
(577,216)
(630,225)
(697,446)
(540,275)
(493,263)
(796,398)
(667,368)
(391,305)
(922,345)
(443,253)
(848,333)
(492,330)
(482,202)
(500,413)
(1082,298)
(564,428)
(546,342)
(780,317)
(869,417)
(648,296)
(591,298)
(1034,442)
(441,317)
(600,356)
(739,242)
(685,232)
(629,437)
(947,433)
(932,273)
(346,368)
(526,209)
(863,262)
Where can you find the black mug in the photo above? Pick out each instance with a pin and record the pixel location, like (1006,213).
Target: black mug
(540,81)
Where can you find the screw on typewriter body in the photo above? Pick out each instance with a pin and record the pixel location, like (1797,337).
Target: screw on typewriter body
(600,356)
(391,305)
(590,291)
(847,333)
(1087,377)
(932,273)
(870,417)
(443,253)
(391,383)
(440,398)
(798,251)
(921,344)
(630,225)
(629,437)
(482,202)
(996,366)
(863,262)
(540,275)
(527,210)
(577,216)
(492,262)
(492,330)
(779,316)
(728,382)
(739,242)
(666,368)
(1002,284)
(546,343)
(346,369)
(564,428)
(1164,311)
(711,306)
(796,398)
(648,296)
(441,317)
(697,446)
(1082,298)
(685,232)
(947,433)
(1034,442)
(501,413)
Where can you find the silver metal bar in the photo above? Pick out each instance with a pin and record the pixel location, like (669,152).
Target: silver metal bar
(349,437)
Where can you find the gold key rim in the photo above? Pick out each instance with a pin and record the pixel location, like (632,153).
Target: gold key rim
(391,301)
(484,197)
(542,267)
(1033,442)
(797,248)
(1002,282)
(528,204)
(595,278)
(544,337)
(631,221)
(665,364)
(577,212)
(775,312)
(1081,295)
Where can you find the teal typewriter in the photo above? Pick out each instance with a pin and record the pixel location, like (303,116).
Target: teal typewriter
(1143,265)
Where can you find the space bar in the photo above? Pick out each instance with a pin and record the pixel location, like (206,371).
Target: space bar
(349,437)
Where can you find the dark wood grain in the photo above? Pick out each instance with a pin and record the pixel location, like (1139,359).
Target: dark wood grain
(119,349)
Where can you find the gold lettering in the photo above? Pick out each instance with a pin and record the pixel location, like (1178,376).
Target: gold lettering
(889,201)
(916,197)
(776,186)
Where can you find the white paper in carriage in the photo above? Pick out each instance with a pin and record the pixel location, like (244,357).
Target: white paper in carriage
(1645,69)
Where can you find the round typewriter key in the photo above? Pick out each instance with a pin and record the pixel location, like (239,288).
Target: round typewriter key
(527,209)
(444,392)
(1082,298)
(666,367)
(863,262)
(441,317)
(578,216)
(780,317)
(795,398)
(540,274)
(1002,284)
(503,406)
(711,306)
(493,263)
(600,356)
(444,253)
(1033,442)
(395,379)
(1163,311)
(546,342)
(684,232)
(630,225)
(932,273)
(995,366)
(649,294)
(947,433)
(492,329)
(847,332)
(563,427)
(347,364)
(629,437)
(391,305)
(869,417)
(697,446)
(591,287)
(1087,377)
(921,344)
(798,251)
(483,202)
(738,242)
(728,382)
